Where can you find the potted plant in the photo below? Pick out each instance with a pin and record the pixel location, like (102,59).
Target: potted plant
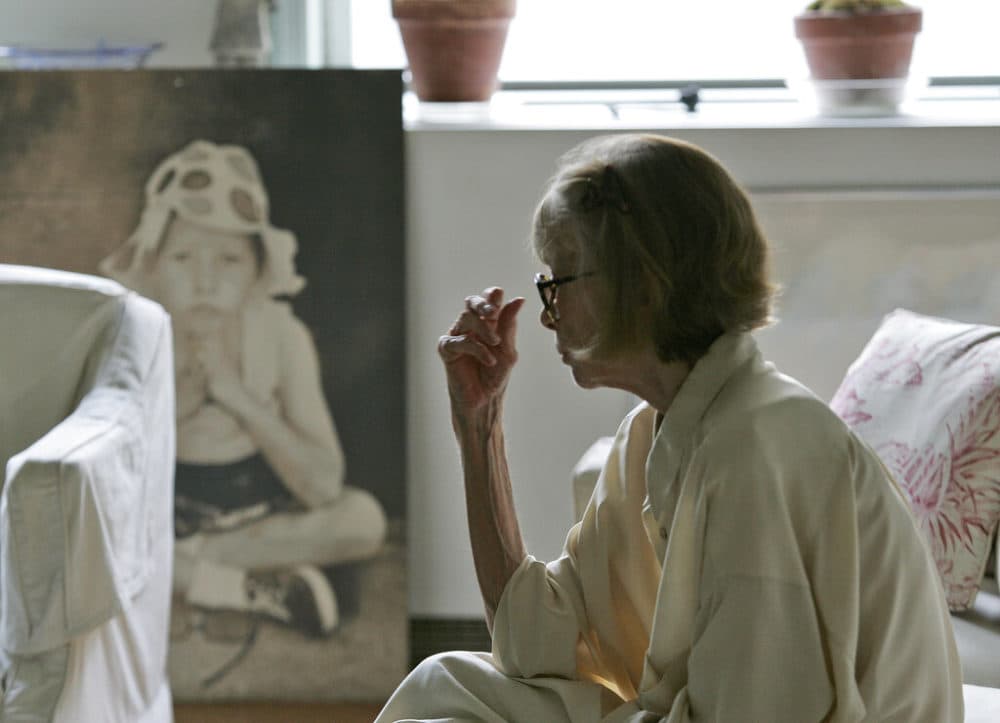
(453,46)
(864,45)
(858,39)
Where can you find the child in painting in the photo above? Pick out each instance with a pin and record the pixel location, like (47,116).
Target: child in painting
(263,517)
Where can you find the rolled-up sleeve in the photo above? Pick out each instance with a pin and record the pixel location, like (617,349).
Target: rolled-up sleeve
(537,623)
(587,614)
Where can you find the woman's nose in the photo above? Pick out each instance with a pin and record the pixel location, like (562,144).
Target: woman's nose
(546,319)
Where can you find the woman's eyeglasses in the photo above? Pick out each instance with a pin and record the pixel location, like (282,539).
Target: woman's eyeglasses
(548,287)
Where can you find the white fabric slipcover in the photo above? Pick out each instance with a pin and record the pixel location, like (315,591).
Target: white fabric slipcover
(86,538)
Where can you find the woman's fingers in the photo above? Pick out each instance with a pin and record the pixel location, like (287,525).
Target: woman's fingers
(484,330)
(480,316)
(507,321)
(454,346)
(487,303)
(470,323)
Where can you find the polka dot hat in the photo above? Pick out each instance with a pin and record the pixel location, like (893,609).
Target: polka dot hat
(217,186)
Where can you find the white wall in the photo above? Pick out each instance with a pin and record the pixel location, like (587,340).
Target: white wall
(847,259)
(470,198)
(183,26)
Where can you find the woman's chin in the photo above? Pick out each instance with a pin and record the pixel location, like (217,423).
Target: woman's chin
(583,379)
(585,373)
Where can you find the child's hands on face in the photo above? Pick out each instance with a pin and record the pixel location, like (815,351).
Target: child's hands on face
(192,393)
(222,374)
(202,321)
(204,372)
(190,380)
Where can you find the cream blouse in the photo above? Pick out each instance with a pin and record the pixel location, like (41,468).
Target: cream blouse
(747,559)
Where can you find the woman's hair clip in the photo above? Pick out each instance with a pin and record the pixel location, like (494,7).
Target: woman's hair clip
(604,190)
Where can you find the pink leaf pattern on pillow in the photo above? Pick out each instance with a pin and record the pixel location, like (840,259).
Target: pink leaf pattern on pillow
(850,408)
(923,474)
(924,395)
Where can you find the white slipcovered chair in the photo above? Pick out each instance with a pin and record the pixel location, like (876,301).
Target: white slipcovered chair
(86,524)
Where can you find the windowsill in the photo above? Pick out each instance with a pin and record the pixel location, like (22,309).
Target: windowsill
(931,107)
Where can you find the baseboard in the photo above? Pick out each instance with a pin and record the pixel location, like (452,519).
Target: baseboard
(429,636)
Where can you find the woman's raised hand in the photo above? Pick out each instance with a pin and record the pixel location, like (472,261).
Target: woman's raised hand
(479,350)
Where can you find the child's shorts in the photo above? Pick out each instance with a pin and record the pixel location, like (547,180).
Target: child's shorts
(210,497)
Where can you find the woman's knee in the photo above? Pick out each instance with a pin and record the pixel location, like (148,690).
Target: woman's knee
(458,666)
(441,687)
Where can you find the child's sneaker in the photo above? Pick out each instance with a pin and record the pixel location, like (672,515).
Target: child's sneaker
(301,597)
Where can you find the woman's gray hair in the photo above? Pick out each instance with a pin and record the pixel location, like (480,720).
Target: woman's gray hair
(672,237)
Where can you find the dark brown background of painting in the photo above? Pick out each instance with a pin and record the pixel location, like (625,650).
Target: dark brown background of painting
(76,148)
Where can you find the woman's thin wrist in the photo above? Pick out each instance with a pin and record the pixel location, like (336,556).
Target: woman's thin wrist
(480,422)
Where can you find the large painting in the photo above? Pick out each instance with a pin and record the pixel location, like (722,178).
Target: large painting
(264,210)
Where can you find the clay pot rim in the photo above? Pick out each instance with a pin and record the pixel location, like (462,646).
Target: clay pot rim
(816,24)
(910,10)
(457,23)
(453,10)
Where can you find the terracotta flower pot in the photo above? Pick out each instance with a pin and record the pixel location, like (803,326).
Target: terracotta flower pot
(859,46)
(454,46)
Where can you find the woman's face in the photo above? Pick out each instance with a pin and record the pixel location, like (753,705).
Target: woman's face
(575,305)
(203,276)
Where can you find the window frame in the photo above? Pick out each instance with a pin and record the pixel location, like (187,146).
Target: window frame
(338,18)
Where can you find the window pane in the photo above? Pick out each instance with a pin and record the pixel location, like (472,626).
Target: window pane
(959,38)
(670,40)
(644,40)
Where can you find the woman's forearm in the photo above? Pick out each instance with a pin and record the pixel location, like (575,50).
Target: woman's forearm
(497,545)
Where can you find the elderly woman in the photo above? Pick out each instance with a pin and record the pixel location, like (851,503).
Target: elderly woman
(744,557)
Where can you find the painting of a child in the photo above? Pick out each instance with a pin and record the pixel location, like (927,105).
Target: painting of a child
(263,516)
(264,210)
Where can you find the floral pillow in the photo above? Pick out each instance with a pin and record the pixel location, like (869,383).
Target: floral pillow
(925,395)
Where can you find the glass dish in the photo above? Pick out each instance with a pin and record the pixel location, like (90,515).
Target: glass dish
(18,57)
(858,98)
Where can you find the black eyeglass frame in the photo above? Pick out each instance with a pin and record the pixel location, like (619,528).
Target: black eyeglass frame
(548,287)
